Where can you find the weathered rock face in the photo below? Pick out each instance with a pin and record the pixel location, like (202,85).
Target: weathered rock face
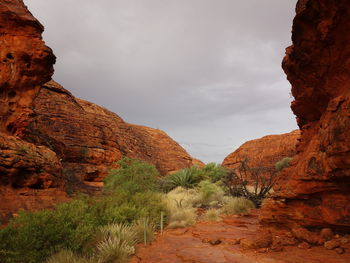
(89,139)
(264,152)
(315,191)
(25,64)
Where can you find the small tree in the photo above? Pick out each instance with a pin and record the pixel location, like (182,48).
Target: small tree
(251,183)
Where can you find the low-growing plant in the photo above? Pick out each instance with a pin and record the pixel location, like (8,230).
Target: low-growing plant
(113,249)
(237,205)
(122,231)
(67,256)
(144,230)
(180,203)
(181,217)
(283,163)
(212,215)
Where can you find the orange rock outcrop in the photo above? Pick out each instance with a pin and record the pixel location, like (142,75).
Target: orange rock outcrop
(25,64)
(51,141)
(265,151)
(315,191)
(89,139)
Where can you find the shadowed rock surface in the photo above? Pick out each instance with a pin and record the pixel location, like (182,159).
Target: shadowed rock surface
(265,151)
(315,191)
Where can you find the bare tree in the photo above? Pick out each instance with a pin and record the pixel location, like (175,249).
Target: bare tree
(251,183)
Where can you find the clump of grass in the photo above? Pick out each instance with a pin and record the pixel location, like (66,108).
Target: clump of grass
(66,256)
(180,202)
(122,231)
(183,198)
(144,230)
(115,243)
(237,205)
(182,217)
(212,215)
(113,249)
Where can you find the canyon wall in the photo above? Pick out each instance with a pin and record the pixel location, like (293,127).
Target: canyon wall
(265,151)
(52,143)
(89,139)
(315,191)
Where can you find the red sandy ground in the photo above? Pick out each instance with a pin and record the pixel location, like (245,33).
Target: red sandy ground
(193,245)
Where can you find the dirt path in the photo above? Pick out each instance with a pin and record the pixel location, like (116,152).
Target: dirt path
(216,242)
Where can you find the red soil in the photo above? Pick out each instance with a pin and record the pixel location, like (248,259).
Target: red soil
(198,244)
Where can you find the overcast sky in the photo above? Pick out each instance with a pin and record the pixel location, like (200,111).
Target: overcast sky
(208,72)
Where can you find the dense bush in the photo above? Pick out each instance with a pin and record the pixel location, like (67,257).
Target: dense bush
(214,172)
(132,176)
(210,194)
(32,237)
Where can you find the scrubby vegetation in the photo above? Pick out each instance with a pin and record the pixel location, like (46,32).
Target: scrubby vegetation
(106,228)
(129,197)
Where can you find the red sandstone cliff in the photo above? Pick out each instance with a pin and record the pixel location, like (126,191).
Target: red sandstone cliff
(315,190)
(89,139)
(50,140)
(25,64)
(265,151)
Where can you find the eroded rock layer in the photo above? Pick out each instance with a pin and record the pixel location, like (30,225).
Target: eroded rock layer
(25,64)
(89,139)
(315,191)
(265,151)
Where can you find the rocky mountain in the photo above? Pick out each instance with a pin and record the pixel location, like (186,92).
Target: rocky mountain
(315,191)
(265,151)
(51,141)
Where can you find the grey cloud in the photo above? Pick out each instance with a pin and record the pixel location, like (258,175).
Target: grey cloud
(206,71)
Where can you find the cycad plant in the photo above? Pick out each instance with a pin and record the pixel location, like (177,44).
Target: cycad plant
(187,178)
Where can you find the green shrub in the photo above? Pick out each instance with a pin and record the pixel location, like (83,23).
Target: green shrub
(32,237)
(283,163)
(187,178)
(211,194)
(237,205)
(214,172)
(132,176)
